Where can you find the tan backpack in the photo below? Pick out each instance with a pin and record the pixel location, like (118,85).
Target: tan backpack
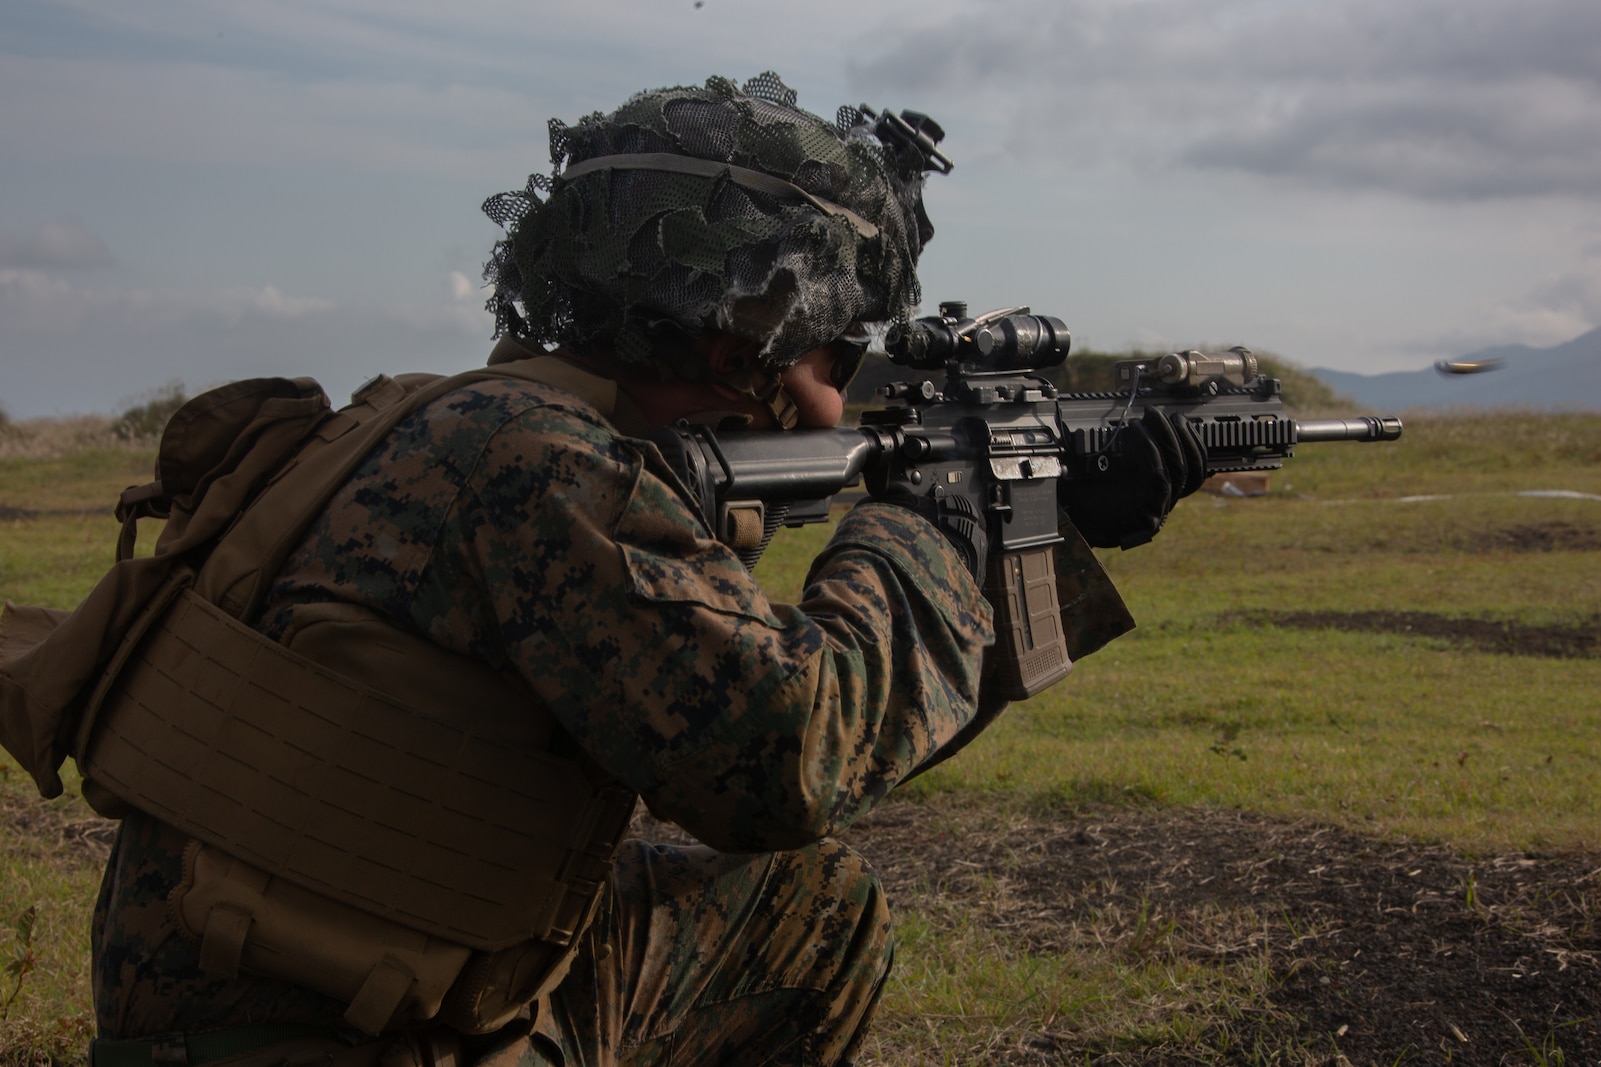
(323,854)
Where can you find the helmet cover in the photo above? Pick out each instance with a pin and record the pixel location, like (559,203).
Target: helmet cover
(635,241)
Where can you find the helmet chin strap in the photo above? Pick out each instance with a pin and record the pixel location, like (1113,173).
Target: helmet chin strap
(766,387)
(778,402)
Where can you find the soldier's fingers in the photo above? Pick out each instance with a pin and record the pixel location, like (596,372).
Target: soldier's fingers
(1194,456)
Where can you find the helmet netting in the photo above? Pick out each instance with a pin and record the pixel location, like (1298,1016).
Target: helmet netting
(620,256)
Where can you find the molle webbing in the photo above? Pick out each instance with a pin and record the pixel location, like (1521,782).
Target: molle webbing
(447,823)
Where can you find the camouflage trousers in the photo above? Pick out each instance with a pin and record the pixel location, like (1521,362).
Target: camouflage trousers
(694,957)
(701,957)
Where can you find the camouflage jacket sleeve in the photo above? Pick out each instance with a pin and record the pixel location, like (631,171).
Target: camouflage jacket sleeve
(754,725)
(509,522)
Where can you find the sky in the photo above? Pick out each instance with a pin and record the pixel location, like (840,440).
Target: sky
(195,191)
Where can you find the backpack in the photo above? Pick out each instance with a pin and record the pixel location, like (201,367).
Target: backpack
(274,438)
(281,871)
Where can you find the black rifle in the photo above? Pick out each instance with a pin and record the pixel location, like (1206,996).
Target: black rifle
(995,418)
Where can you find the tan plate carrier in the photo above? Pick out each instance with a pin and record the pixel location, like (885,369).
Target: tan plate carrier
(375,818)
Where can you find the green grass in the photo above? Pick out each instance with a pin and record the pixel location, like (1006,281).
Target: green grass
(1126,980)
(53,558)
(1385,732)
(83,480)
(46,1015)
(1375,733)
(1381,731)
(57,556)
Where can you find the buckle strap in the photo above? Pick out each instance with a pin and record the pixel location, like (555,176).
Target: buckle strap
(148,501)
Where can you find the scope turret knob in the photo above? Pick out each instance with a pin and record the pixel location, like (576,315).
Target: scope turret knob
(953,309)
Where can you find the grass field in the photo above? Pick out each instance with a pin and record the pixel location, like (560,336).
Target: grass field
(1397,641)
(1397,646)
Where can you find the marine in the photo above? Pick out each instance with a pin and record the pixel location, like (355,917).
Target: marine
(515,566)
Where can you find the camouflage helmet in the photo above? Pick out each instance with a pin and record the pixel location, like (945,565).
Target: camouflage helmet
(719,207)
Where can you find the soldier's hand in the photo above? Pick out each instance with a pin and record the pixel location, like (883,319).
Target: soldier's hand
(1123,496)
(958,512)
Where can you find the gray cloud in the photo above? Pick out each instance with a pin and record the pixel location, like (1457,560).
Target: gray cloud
(60,245)
(1442,99)
(1434,140)
(53,329)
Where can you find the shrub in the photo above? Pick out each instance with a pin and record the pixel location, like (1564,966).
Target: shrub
(149,418)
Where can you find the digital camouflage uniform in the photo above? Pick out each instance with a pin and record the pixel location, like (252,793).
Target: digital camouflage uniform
(513,523)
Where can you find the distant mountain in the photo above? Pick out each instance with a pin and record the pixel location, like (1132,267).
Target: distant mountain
(1565,377)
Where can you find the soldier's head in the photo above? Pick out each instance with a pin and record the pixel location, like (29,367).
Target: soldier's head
(722,213)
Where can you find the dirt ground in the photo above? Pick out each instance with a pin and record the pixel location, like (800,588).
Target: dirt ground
(1577,641)
(1381,952)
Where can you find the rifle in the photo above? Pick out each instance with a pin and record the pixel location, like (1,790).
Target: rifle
(995,417)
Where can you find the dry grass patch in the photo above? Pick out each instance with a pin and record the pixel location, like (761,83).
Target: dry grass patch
(1150,935)
(36,439)
(54,854)
(1146,935)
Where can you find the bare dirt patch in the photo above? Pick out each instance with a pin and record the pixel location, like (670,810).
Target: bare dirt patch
(10,514)
(38,829)
(1542,537)
(1380,951)
(1581,640)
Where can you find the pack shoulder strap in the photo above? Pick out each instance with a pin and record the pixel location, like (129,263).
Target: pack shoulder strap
(245,561)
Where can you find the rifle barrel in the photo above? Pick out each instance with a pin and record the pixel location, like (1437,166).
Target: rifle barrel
(1362,428)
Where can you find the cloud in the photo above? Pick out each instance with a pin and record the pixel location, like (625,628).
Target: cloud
(185,113)
(491,42)
(1558,308)
(1439,99)
(53,331)
(1577,293)
(1554,309)
(39,303)
(381,86)
(460,312)
(52,327)
(42,304)
(268,301)
(32,301)
(60,245)
(1441,140)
